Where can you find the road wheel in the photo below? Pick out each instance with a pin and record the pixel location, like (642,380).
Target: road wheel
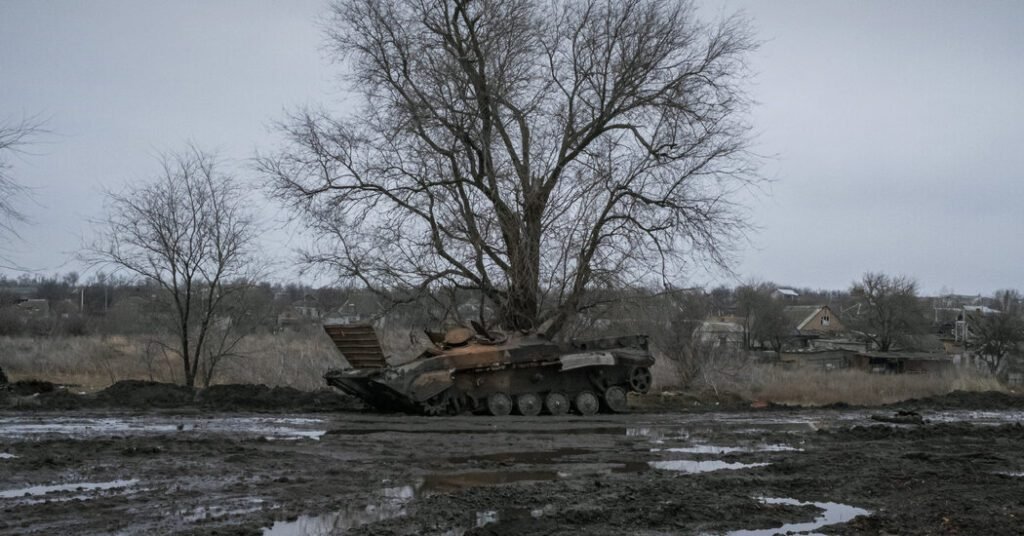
(615,399)
(640,379)
(528,404)
(587,403)
(499,404)
(436,405)
(556,403)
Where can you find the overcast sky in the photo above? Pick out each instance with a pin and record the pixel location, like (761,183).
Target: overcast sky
(895,130)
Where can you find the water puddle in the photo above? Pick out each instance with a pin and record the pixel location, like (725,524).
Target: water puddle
(976,417)
(57,488)
(335,522)
(692,466)
(7,456)
(832,514)
(717,449)
(533,430)
(295,435)
(448,482)
(202,513)
(352,516)
(1011,473)
(268,427)
(491,517)
(396,499)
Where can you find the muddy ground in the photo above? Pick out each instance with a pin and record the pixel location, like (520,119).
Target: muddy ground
(191,468)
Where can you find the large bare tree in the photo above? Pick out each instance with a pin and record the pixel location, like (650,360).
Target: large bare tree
(14,135)
(888,311)
(530,150)
(191,233)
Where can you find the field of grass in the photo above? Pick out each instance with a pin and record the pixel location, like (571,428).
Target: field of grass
(94,362)
(816,387)
(299,359)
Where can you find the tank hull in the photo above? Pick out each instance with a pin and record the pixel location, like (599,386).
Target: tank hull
(527,375)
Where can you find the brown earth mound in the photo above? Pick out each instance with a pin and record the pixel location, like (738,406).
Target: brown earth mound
(262,397)
(145,394)
(30,387)
(138,394)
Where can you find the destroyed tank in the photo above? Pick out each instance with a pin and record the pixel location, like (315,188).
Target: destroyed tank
(472,370)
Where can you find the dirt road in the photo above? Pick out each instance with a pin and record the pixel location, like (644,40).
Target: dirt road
(748,472)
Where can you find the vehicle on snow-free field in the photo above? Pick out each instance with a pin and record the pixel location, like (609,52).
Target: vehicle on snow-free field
(473,370)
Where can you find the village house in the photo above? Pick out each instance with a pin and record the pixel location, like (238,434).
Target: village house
(719,334)
(786,295)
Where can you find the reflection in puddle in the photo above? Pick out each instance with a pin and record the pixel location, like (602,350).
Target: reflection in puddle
(349,517)
(486,518)
(717,449)
(489,517)
(396,499)
(691,466)
(1011,473)
(832,514)
(6,456)
(201,513)
(336,522)
(78,486)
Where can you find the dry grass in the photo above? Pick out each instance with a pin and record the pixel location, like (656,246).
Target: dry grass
(299,359)
(94,362)
(811,387)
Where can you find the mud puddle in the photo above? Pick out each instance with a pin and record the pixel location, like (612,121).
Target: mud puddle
(33,491)
(538,457)
(832,514)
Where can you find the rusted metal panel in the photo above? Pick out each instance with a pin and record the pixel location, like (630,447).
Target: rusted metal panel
(359,345)
(429,384)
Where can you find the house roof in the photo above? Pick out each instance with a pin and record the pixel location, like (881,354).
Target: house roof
(799,315)
(787,292)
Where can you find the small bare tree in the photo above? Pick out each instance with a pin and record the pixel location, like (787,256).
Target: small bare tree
(1000,335)
(890,311)
(530,151)
(191,232)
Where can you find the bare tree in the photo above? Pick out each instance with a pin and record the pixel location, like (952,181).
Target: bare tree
(191,233)
(999,335)
(531,151)
(764,318)
(890,312)
(13,137)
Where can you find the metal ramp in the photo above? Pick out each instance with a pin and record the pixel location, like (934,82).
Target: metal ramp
(358,343)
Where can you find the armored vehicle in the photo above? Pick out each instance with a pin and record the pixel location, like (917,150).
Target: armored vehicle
(473,370)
